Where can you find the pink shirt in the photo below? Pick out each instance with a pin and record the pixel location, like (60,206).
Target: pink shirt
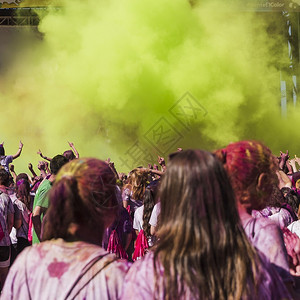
(54,269)
(140,284)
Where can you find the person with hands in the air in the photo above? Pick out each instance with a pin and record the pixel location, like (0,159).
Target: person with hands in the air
(5,160)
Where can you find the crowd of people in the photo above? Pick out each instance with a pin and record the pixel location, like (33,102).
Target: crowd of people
(220,225)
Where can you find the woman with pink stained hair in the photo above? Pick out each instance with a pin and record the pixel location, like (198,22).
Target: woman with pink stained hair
(252,171)
(69,263)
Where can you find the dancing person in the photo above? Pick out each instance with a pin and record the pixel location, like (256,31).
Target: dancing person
(133,191)
(69,263)
(202,251)
(69,154)
(5,160)
(41,201)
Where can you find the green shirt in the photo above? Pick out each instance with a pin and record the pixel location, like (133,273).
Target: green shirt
(41,199)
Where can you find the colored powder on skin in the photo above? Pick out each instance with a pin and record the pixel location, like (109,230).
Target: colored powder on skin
(106,72)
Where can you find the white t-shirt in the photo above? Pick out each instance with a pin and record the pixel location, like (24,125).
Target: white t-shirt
(295,227)
(154,215)
(138,218)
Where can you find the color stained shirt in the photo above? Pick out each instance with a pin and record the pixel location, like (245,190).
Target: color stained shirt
(266,236)
(140,283)
(57,269)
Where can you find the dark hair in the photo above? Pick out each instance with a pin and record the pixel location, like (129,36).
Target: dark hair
(4,176)
(149,202)
(292,199)
(202,246)
(23,189)
(83,194)
(2,150)
(276,198)
(22,176)
(69,155)
(56,163)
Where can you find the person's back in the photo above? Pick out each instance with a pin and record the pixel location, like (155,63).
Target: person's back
(69,263)
(41,201)
(252,171)
(202,251)
(67,270)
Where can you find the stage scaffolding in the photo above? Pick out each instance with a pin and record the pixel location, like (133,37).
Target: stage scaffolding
(19,21)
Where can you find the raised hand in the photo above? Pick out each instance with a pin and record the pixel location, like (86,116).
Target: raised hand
(161,161)
(284,156)
(297,159)
(12,168)
(42,165)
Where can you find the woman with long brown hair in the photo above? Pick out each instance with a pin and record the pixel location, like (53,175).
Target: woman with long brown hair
(23,201)
(69,263)
(133,191)
(202,251)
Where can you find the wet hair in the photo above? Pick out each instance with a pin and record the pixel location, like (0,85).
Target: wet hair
(84,194)
(244,162)
(202,246)
(2,150)
(4,177)
(149,202)
(69,155)
(23,189)
(56,163)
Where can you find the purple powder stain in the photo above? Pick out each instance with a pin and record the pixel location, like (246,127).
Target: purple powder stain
(57,269)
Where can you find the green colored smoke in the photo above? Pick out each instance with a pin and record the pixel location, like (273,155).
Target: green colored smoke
(106,72)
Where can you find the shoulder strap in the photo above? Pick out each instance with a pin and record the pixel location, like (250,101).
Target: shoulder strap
(251,223)
(84,273)
(253,228)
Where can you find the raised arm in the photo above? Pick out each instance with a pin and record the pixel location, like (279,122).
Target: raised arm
(74,149)
(13,173)
(292,163)
(42,166)
(30,167)
(42,156)
(162,163)
(19,151)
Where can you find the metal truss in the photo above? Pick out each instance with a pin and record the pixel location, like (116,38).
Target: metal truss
(19,20)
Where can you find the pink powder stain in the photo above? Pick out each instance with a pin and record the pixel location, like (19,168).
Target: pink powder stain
(57,269)
(42,253)
(84,256)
